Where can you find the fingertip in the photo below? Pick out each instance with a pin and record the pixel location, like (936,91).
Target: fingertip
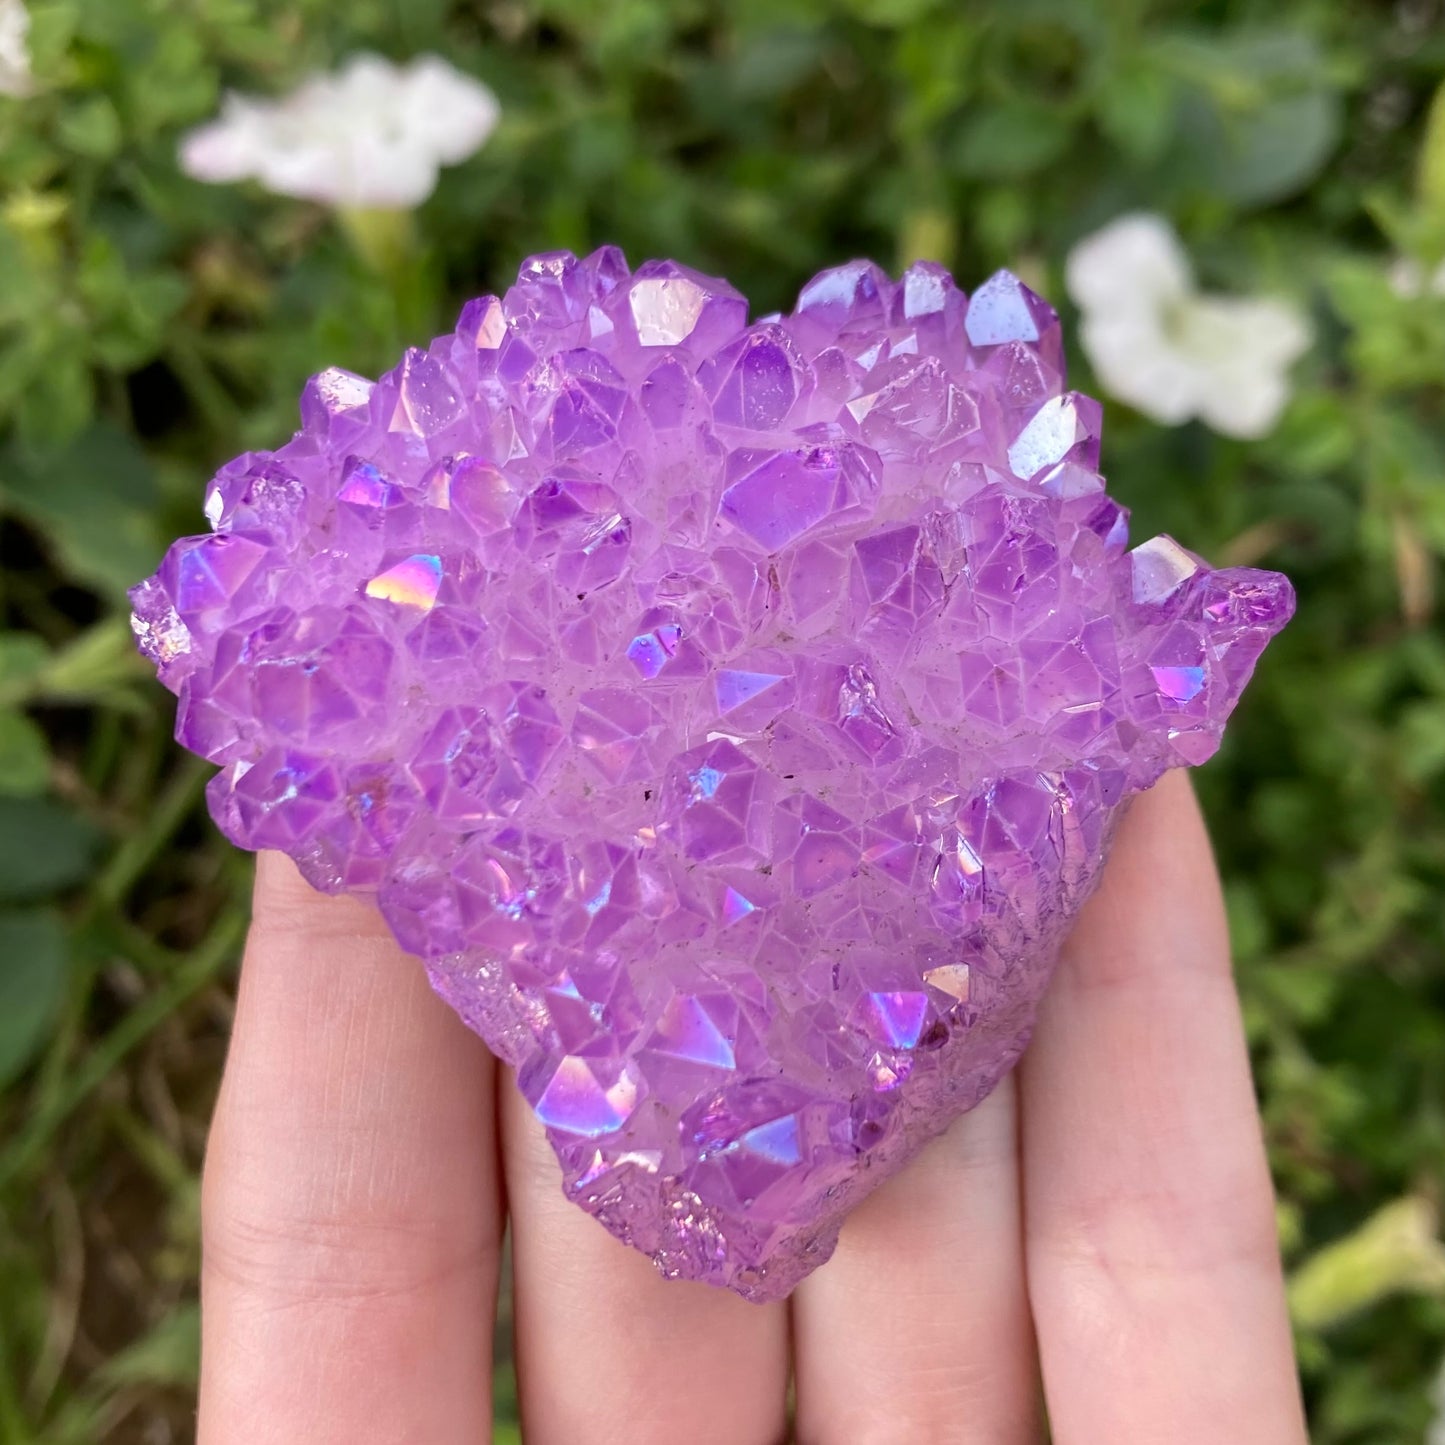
(582,1378)
(283,901)
(1161,852)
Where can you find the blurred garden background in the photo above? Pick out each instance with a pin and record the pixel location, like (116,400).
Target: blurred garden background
(152,325)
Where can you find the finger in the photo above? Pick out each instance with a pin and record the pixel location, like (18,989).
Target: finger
(1152,1256)
(350,1214)
(607,1350)
(918,1327)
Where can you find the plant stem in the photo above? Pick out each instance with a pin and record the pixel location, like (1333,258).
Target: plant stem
(197,971)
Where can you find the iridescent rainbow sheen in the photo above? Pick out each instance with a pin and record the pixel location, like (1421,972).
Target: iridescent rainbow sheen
(412,583)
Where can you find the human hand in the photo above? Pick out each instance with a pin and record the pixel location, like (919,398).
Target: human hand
(1102,1225)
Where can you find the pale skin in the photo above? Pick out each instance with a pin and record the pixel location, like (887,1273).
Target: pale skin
(1095,1243)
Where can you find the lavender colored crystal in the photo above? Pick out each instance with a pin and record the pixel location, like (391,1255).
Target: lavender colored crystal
(732,716)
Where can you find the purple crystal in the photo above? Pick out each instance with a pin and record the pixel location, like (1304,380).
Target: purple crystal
(733,717)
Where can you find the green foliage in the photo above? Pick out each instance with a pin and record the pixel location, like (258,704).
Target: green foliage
(44,848)
(31,986)
(151,327)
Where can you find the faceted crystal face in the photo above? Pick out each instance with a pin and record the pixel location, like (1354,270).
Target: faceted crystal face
(733,717)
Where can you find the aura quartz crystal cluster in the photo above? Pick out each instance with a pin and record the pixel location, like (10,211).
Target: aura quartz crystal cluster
(732,716)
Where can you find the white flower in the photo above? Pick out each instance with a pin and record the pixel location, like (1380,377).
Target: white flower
(370,137)
(1168,350)
(1436,1433)
(14,49)
(1409,282)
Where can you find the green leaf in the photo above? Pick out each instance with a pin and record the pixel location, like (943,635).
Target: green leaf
(167,1357)
(24,756)
(1248,924)
(1011,139)
(935,67)
(91,129)
(33,971)
(1431,172)
(1422,741)
(1135,110)
(895,13)
(170,1355)
(100,665)
(172,81)
(1317,435)
(1265,153)
(51,29)
(1395,1249)
(926,233)
(44,847)
(95,500)
(1261,113)
(23,657)
(60,401)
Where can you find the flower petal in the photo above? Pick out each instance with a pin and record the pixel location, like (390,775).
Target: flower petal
(1271,331)
(453,111)
(1135,262)
(230,148)
(1138,363)
(370,136)
(15,79)
(1244,401)
(1242,347)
